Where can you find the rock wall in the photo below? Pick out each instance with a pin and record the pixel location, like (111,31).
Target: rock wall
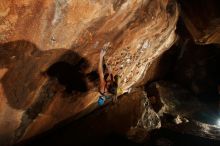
(49,53)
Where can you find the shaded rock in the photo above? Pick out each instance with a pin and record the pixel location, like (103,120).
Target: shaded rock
(180,111)
(173,99)
(148,121)
(202,19)
(131,117)
(163,142)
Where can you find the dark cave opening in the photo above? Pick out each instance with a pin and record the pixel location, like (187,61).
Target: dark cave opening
(198,71)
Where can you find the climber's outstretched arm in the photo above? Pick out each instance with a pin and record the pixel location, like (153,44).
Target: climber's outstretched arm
(102,82)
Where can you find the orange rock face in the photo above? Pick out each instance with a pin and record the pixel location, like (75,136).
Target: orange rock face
(49,53)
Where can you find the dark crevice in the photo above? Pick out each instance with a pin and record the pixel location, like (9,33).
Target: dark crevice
(153,95)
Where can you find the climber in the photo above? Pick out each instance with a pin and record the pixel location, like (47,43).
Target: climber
(102,79)
(108,87)
(102,85)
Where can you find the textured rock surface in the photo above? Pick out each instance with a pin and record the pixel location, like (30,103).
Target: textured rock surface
(64,39)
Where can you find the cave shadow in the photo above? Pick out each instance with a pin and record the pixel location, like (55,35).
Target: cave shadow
(25,67)
(198,71)
(70,73)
